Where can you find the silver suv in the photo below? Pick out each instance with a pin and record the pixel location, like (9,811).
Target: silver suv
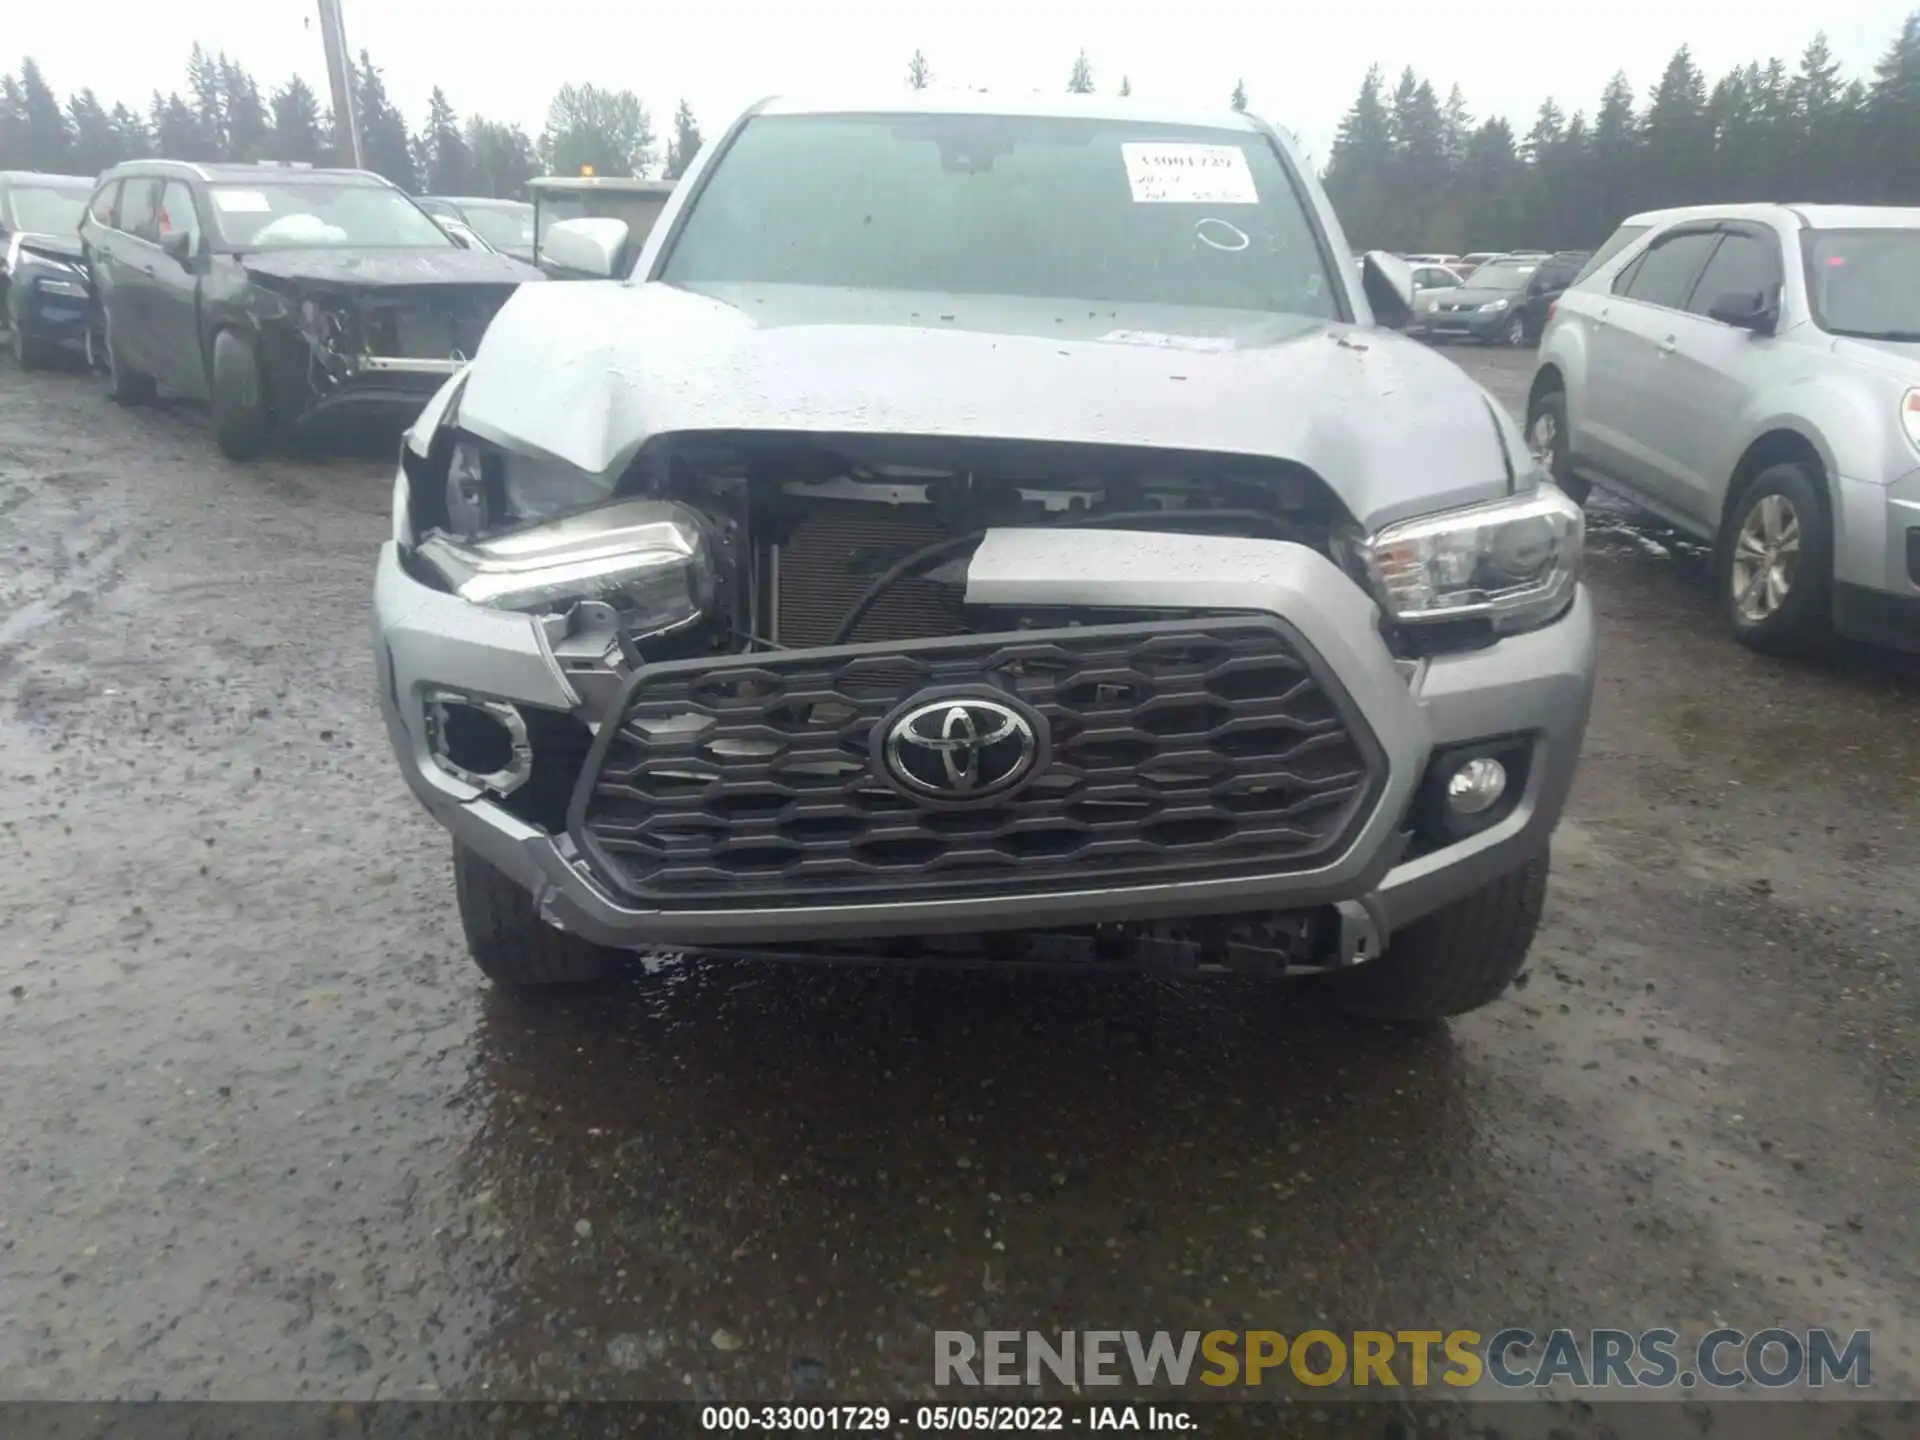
(990,530)
(1751,373)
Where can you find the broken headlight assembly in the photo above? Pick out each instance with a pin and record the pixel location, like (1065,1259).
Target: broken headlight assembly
(650,561)
(1512,564)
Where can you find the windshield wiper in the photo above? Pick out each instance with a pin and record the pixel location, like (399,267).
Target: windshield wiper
(1898,337)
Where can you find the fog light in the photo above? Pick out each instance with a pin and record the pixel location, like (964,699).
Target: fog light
(478,742)
(1476,786)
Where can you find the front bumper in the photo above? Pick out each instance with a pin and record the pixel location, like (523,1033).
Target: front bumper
(1537,686)
(1471,324)
(47,313)
(1877,562)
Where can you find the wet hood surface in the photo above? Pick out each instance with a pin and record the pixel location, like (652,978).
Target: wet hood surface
(351,269)
(587,372)
(60,247)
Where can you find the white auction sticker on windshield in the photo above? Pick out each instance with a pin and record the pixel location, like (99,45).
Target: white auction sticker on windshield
(242,202)
(1189,174)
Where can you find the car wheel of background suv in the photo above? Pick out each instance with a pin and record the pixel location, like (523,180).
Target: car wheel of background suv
(1452,961)
(126,387)
(239,397)
(1514,336)
(1547,442)
(1773,566)
(30,352)
(509,941)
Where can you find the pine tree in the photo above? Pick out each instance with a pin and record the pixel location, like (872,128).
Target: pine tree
(45,139)
(249,131)
(1456,128)
(96,145)
(1892,120)
(445,165)
(919,73)
(299,137)
(176,129)
(208,105)
(503,158)
(1080,81)
(1359,165)
(1679,140)
(132,139)
(685,142)
(385,146)
(1126,87)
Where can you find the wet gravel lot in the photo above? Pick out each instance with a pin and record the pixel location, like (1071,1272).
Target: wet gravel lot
(264,1132)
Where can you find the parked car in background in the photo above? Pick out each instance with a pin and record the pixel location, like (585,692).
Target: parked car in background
(506,225)
(633,202)
(44,299)
(1428,281)
(1751,374)
(1470,263)
(1545,285)
(743,607)
(1431,259)
(281,295)
(1489,306)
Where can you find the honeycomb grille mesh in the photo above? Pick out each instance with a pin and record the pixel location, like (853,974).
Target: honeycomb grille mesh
(1182,750)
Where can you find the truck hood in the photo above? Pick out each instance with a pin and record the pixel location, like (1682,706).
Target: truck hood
(346,269)
(587,372)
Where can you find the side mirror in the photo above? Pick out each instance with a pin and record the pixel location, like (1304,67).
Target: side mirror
(457,236)
(592,248)
(1754,312)
(1387,281)
(179,245)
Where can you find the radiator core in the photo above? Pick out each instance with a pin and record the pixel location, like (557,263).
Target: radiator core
(838,550)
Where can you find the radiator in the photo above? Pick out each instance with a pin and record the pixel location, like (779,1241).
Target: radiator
(839,549)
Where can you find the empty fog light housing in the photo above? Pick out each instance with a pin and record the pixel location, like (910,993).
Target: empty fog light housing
(1476,786)
(482,743)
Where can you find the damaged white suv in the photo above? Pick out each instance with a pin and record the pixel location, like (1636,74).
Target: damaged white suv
(996,532)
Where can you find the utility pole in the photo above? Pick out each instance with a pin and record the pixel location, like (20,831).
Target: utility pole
(346,122)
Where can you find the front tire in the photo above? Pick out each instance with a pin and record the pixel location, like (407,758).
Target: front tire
(1514,334)
(1773,567)
(239,397)
(508,940)
(1547,442)
(1457,959)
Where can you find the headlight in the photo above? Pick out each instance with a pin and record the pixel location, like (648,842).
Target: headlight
(651,560)
(1910,416)
(50,285)
(1493,307)
(1513,562)
(517,487)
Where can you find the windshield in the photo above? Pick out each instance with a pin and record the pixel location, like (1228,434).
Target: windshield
(267,216)
(507,227)
(42,209)
(1053,207)
(1865,283)
(1503,275)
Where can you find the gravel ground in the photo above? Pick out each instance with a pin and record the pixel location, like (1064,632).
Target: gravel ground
(267,1134)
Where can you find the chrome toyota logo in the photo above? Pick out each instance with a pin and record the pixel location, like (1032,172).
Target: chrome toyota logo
(960,748)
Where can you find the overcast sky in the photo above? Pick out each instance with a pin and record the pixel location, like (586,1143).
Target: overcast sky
(1302,63)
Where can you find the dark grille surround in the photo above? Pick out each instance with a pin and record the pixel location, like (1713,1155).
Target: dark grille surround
(1182,750)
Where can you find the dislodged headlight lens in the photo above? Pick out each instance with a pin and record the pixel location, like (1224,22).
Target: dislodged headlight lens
(1513,562)
(52,285)
(649,559)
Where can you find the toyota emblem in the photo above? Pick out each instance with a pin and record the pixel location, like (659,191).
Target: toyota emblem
(960,748)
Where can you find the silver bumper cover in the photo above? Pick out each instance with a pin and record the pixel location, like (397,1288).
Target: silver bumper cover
(1538,684)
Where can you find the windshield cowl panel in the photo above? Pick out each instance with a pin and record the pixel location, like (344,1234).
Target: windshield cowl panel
(1093,210)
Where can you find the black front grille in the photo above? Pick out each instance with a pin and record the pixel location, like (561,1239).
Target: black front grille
(1183,750)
